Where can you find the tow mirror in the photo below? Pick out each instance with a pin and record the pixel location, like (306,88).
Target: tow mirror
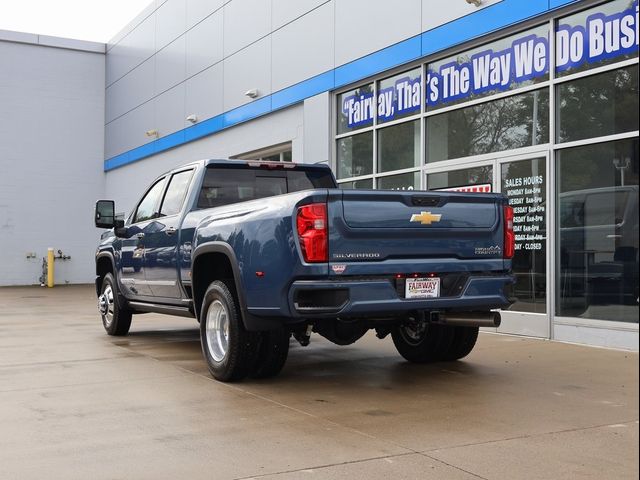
(105,216)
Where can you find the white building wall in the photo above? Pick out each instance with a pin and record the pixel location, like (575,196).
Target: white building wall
(184,57)
(126,185)
(51,154)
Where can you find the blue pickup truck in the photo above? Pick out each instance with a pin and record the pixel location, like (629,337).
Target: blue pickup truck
(258,252)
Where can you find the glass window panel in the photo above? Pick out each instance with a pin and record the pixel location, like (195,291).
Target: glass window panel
(224,186)
(147,209)
(512,122)
(506,64)
(399,96)
(404,181)
(461,180)
(595,37)
(597,275)
(524,182)
(358,185)
(176,191)
(355,155)
(399,146)
(271,158)
(356,109)
(598,105)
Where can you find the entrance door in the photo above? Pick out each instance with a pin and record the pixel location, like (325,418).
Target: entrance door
(524,180)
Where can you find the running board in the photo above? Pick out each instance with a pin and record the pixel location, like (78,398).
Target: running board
(141,307)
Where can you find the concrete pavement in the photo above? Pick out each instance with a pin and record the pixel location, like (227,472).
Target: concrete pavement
(75,403)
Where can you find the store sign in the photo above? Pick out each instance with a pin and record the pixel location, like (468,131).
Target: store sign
(528,57)
(600,37)
(358,109)
(402,98)
(526,196)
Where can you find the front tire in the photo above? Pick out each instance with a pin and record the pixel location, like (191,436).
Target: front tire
(228,348)
(116,319)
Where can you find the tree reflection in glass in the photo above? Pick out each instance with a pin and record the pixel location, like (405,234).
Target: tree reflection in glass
(513,122)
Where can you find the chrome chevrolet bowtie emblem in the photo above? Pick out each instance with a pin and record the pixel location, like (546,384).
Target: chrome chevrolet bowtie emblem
(425,218)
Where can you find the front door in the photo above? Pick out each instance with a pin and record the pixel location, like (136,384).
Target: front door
(161,241)
(132,276)
(524,180)
(133,279)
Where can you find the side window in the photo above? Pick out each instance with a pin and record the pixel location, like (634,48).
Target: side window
(147,207)
(176,192)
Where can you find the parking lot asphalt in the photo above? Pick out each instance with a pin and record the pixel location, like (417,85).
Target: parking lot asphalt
(76,403)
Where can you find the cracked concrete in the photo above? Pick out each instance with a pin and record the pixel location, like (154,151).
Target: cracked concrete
(75,403)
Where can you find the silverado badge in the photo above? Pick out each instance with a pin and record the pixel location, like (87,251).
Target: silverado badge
(425,218)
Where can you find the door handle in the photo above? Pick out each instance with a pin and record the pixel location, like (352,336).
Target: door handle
(170,231)
(140,235)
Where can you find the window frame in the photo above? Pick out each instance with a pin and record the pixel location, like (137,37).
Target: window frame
(550,149)
(168,186)
(553,80)
(134,214)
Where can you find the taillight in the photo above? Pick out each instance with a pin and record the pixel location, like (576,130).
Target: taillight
(509,236)
(311,224)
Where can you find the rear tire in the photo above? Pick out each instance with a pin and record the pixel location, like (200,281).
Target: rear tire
(464,339)
(228,348)
(116,319)
(272,353)
(419,342)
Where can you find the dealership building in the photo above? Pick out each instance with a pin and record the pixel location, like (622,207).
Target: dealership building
(537,99)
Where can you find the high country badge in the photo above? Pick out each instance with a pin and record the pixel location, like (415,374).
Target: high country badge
(425,218)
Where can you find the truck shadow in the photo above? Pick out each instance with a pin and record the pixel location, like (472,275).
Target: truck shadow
(369,363)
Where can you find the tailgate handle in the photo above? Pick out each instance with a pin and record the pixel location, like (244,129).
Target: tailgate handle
(430,201)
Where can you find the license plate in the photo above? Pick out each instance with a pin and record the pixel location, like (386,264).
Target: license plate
(422,287)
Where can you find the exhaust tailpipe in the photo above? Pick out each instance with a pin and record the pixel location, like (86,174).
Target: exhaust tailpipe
(467,319)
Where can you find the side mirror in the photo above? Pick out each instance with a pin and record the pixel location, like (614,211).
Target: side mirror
(105,216)
(119,229)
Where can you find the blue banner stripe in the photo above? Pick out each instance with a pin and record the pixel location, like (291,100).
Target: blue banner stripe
(308,88)
(485,21)
(553,4)
(204,128)
(460,30)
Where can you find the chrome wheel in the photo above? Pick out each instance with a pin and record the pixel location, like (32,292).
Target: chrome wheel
(106,306)
(217,328)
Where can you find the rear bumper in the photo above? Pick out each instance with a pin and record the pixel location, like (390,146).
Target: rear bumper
(380,299)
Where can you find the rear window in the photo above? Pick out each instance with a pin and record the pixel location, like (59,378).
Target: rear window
(223,186)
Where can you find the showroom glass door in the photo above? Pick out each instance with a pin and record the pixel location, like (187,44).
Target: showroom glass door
(524,180)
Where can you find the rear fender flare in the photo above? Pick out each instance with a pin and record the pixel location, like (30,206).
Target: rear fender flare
(251,322)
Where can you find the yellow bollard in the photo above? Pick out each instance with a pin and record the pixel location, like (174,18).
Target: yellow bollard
(50,261)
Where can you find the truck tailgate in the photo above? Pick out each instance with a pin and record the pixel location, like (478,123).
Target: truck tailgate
(416,229)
